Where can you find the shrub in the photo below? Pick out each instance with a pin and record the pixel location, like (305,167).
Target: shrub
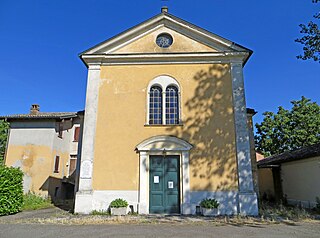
(119,203)
(276,211)
(11,193)
(4,126)
(32,201)
(209,203)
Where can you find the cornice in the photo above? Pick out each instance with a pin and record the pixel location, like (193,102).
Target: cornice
(168,58)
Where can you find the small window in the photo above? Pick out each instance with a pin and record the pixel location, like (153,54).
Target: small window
(56,191)
(60,129)
(164,40)
(56,164)
(76,134)
(155,105)
(72,164)
(60,134)
(172,107)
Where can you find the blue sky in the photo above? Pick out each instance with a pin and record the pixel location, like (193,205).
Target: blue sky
(40,41)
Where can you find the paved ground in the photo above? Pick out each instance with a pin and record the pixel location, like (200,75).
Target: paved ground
(53,223)
(158,230)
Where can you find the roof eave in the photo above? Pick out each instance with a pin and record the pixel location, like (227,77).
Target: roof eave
(288,156)
(10,118)
(168,58)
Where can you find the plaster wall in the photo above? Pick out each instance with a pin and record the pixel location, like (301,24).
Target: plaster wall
(32,132)
(33,146)
(73,144)
(300,181)
(266,185)
(147,43)
(207,123)
(63,143)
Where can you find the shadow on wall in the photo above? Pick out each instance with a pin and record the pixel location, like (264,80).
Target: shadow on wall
(208,124)
(61,191)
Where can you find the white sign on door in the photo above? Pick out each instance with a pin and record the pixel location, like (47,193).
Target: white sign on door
(155,179)
(170,184)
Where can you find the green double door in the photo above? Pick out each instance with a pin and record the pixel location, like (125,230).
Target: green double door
(164,183)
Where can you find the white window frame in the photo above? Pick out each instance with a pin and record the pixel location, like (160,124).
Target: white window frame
(163,81)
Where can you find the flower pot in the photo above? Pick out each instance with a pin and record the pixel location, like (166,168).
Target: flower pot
(118,211)
(209,211)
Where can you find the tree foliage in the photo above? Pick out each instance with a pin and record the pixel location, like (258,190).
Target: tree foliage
(289,129)
(310,39)
(4,126)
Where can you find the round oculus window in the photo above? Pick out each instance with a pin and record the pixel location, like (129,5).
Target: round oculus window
(164,40)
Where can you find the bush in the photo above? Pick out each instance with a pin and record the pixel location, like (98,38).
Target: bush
(209,203)
(4,126)
(32,201)
(119,203)
(276,211)
(11,193)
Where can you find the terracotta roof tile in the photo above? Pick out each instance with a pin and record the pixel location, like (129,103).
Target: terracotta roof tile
(42,115)
(303,153)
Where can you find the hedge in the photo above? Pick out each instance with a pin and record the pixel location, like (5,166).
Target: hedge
(11,192)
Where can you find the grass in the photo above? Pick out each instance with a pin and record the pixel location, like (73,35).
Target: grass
(32,201)
(269,214)
(100,213)
(280,211)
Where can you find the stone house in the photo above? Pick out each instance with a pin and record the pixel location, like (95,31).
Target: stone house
(45,146)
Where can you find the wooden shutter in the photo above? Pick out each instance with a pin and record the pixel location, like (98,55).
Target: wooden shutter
(72,165)
(56,164)
(76,133)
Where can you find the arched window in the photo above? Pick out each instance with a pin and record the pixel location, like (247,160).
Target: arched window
(163,101)
(172,105)
(155,105)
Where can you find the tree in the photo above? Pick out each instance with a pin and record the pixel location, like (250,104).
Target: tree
(311,39)
(289,129)
(4,126)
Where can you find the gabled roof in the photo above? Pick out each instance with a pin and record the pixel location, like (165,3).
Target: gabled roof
(183,27)
(299,154)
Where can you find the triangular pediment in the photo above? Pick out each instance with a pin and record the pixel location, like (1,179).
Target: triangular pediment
(147,44)
(187,38)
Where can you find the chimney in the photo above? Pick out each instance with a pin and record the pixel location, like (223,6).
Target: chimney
(35,108)
(164,9)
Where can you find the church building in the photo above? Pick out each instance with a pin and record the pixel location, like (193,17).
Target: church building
(165,122)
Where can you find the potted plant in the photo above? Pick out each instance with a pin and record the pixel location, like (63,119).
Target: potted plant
(118,207)
(209,207)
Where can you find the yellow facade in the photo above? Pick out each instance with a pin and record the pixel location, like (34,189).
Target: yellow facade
(207,123)
(147,44)
(124,154)
(37,164)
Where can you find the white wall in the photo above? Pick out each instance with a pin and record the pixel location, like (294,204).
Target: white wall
(32,132)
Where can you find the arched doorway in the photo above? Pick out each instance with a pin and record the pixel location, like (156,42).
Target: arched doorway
(164,182)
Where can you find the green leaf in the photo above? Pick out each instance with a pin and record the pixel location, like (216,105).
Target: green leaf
(289,129)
